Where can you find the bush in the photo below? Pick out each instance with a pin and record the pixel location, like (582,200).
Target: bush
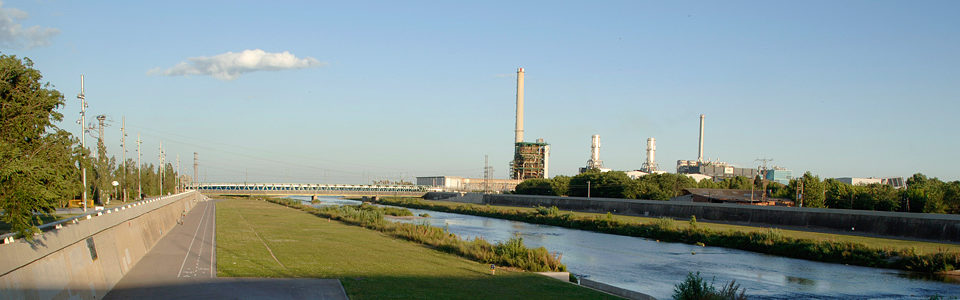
(694,288)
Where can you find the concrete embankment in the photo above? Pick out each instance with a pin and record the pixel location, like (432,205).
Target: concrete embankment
(936,227)
(85,259)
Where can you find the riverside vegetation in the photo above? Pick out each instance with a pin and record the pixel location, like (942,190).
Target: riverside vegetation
(260,239)
(511,253)
(770,241)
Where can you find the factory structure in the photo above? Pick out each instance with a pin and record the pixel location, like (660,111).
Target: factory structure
(530,159)
(717,170)
(594,163)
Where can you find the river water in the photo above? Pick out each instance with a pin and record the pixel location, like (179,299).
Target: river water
(653,268)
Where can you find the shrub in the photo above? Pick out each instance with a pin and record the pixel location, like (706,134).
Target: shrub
(694,288)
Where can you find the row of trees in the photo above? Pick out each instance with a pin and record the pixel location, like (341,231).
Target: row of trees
(929,195)
(40,163)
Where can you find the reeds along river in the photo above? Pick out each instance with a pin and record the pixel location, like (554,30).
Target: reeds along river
(654,268)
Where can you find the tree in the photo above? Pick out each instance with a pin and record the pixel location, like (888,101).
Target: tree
(560,184)
(37,159)
(536,186)
(813,190)
(614,184)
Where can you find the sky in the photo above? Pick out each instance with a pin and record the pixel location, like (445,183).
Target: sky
(354,91)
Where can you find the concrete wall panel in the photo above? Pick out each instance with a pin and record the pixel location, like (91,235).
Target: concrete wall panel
(58,264)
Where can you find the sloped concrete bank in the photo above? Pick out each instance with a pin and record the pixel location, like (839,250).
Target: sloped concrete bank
(85,258)
(937,227)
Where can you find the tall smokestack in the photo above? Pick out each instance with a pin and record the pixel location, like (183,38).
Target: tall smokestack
(594,162)
(700,152)
(519,130)
(651,153)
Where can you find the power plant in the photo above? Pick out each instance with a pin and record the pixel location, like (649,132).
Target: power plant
(715,170)
(530,160)
(594,163)
(650,165)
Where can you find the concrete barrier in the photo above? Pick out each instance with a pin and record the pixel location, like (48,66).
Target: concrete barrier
(935,227)
(615,290)
(86,258)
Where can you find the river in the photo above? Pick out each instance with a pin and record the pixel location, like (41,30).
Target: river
(653,268)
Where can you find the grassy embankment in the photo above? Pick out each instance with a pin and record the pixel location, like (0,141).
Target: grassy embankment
(369,263)
(854,250)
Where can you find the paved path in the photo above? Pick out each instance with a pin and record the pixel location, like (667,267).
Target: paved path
(183,266)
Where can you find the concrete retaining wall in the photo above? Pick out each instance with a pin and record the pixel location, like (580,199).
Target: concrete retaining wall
(936,227)
(615,290)
(84,260)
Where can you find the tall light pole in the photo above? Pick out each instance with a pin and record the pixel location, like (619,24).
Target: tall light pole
(176,179)
(161,169)
(139,155)
(83,142)
(123,144)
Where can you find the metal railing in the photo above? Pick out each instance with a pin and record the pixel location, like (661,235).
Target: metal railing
(8,238)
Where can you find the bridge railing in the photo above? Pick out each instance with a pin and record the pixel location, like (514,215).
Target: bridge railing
(285,187)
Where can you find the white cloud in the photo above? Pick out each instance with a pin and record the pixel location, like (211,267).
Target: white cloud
(229,66)
(13,35)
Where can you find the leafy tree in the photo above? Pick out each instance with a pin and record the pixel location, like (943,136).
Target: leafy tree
(560,184)
(736,183)
(708,184)
(37,159)
(614,184)
(536,186)
(812,191)
(838,194)
(663,186)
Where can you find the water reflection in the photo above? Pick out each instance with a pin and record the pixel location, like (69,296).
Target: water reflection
(655,267)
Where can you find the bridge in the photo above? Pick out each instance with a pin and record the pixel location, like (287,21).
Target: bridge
(295,189)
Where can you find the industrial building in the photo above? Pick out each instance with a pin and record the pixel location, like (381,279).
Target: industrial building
(716,170)
(896,182)
(530,160)
(594,163)
(461,184)
(780,175)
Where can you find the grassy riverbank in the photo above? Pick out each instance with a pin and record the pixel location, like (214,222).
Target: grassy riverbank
(370,264)
(837,249)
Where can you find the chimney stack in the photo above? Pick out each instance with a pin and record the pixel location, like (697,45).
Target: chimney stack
(519,130)
(651,154)
(700,152)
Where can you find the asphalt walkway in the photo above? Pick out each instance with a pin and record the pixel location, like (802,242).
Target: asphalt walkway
(183,266)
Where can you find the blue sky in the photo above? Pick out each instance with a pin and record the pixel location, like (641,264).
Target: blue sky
(401,89)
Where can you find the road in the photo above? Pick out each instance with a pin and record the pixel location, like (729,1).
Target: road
(183,266)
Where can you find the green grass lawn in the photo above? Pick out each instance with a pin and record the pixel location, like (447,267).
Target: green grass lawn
(921,247)
(370,265)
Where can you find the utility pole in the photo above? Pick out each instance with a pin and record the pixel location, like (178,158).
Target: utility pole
(139,155)
(763,173)
(800,191)
(588,188)
(176,179)
(196,179)
(83,143)
(101,156)
(161,169)
(123,144)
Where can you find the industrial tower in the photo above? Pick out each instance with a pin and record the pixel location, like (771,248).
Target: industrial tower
(530,160)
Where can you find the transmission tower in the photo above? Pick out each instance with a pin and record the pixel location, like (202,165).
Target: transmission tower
(763,175)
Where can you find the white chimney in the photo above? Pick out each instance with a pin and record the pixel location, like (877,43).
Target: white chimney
(700,152)
(519,129)
(651,152)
